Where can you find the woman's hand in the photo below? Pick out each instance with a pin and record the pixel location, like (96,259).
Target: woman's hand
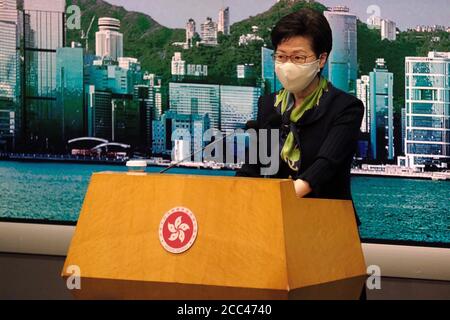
(302,188)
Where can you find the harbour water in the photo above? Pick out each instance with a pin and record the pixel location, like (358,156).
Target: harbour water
(390,208)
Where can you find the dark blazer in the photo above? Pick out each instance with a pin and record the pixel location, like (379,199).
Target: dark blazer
(327,135)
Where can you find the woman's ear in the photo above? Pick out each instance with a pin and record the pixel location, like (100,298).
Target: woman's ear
(323,60)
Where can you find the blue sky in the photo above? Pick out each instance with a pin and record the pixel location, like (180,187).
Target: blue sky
(175,13)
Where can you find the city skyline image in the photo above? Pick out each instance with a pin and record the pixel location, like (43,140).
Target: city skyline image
(122,60)
(407,13)
(99,83)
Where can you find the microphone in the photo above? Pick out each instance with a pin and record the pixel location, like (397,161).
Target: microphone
(195,152)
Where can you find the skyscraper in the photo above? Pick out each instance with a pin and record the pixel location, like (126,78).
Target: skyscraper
(427,109)
(142,95)
(9,75)
(43,34)
(224,21)
(381,112)
(69,91)
(132,68)
(107,75)
(157,94)
(99,113)
(342,66)
(238,104)
(195,98)
(193,124)
(108,40)
(190,32)
(268,70)
(209,32)
(363,94)
(114,100)
(388,30)
(125,119)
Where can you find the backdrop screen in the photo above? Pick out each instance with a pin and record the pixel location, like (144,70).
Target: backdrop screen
(87,85)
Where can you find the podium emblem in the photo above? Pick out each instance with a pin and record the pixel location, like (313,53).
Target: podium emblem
(178,230)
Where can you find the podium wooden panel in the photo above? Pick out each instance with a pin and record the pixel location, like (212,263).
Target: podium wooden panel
(255,239)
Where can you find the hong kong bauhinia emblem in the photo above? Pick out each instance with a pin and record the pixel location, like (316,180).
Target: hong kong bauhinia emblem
(178,230)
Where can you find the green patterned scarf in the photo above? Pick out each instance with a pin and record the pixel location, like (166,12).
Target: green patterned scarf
(290,153)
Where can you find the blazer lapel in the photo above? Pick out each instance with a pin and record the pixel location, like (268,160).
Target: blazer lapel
(314,114)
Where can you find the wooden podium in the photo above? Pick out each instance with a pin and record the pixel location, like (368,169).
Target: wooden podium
(255,240)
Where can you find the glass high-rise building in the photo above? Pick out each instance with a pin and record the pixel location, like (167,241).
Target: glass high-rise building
(193,124)
(239,104)
(381,112)
(268,70)
(115,101)
(224,21)
(99,113)
(158,138)
(228,107)
(9,57)
(8,10)
(107,75)
(108,40)
(342,66)
(43,33)
(194,98)
(126,119)
(142,95)
(69,88)
(427,109)
(157,94)
(9,75)
(101,74)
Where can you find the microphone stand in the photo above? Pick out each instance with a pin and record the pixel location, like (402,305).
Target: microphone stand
(194,153)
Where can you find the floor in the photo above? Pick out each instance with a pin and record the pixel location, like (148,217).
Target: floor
(38,277)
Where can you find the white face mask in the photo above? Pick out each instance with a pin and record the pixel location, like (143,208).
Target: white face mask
(296,77)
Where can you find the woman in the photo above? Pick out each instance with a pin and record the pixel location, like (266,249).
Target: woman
(320,123)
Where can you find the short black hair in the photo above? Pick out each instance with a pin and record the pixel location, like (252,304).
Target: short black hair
(307,23)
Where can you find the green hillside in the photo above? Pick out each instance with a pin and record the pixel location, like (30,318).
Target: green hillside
(151,43)
(144,38)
